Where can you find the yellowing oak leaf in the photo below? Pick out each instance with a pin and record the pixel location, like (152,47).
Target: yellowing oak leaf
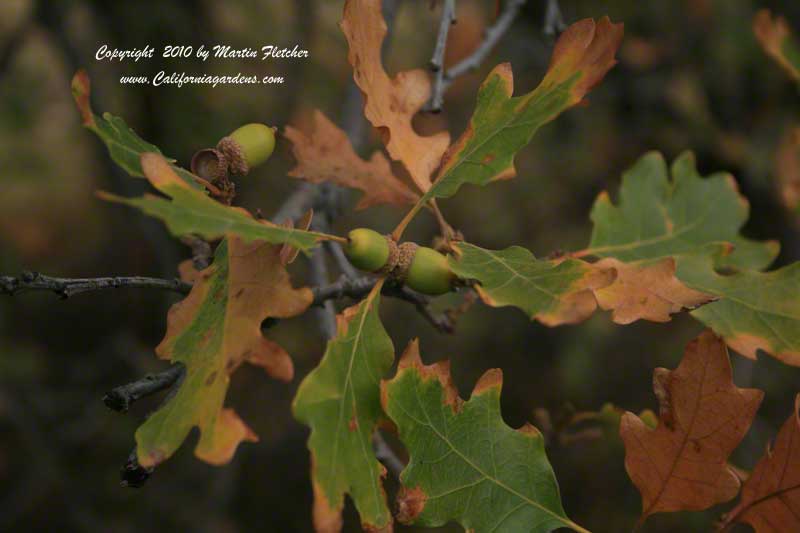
(191,211)
(554,292)
(645,290)
(466,464)
(770,500)
(391,103)
(777,40)
(124,146)
(502,124)
(682,464)
(212,331)
(340,401)
(327,155)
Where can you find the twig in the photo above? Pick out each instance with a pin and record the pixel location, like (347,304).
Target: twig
(437,61)
(132,474)
(66,287)
(357,288)
(120,398)
(385,454)
(326,311)
(473,61)
(553,20)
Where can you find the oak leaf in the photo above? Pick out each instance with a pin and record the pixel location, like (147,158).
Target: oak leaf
(340,401)
(682,464)
(502,124)
(770,499)
(645,290)
(391,103)
(212,331)
(327,155)
(553,292)
(124,146)
(466,464)
(191,211)
(778,42)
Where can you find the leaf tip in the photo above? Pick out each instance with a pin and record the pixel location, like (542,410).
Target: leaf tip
(81,88)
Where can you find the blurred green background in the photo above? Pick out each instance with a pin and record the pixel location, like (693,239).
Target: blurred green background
(690,76)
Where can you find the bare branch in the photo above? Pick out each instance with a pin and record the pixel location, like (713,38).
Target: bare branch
(553,20)
(437,61)
(120,398)
(66,287)
(491,37)
(385,454)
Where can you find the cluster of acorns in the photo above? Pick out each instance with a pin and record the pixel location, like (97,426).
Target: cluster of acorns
(422,269)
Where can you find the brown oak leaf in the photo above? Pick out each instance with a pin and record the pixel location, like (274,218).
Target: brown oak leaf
(327,155)
(682,464)
(771,495)
(646,290)
(391,103)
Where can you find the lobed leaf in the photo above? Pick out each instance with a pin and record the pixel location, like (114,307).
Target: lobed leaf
(778,42)
(681,465)
(190,211)
(552,292)
(124,146)
(502,124)
(770,500)
(391,103)
(465,463)
(327,155)
(693,223)
(658,218)
(212,331)
(340,401)
(647,290)
(753,310)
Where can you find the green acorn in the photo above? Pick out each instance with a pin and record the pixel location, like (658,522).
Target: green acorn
(429,272)
(367,249)
(247,147)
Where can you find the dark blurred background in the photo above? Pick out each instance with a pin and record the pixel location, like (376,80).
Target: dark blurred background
(691,76)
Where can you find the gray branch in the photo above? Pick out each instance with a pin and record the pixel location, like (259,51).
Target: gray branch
(66,287)
(491,37)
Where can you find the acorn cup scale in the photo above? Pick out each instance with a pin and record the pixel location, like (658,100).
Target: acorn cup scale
(245,148)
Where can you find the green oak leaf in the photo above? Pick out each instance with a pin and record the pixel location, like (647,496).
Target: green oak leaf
(659,218)
(340,401)
(696,222)
(551,291)
(212,332)
(754,310)
(465,463)
(124,146)
(191,211)
(502,124)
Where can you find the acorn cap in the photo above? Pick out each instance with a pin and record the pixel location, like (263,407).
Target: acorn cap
(209,164)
